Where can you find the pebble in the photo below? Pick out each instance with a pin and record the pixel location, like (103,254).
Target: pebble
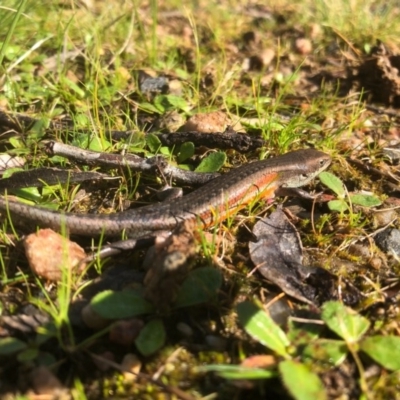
(49,253)
(216,121)
(131,363)
(389,241)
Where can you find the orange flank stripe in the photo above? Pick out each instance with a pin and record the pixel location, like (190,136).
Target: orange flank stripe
(262,189)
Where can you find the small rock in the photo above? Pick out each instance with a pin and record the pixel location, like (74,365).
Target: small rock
(93,320)
(125,332)
(389,241)
(316,31)
(267,55)
(184,329)
(49,253)
(384,218)
(216,121)
(376,263)
(217,343)
(44,382)
(131,365)
(175,87)
(359,250)
(303,46)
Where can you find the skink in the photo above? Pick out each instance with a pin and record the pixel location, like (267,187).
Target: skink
(213,202)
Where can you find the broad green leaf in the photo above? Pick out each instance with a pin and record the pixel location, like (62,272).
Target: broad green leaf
(238,372)
(365,200)
(338,205)
(93,142)
(178,102)
(123,304)
(151,338)
(165,151)
(149,108)
(16,143)
(344,321)
(262,328)
(385,350)
(326,350)
(186,151)
(167,102)
(29,194)
(153,142)
(28,354)
(201,286)
(98,144)
(10,345)
(333,183)
(212,163)
(301,383)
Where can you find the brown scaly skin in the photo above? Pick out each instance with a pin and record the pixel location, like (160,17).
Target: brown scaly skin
(212,203)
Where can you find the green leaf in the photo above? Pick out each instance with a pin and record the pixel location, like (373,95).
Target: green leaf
(151,338)
(148,107)
(123,304)
(333,183)
(238,372)
(338,205)
(30,193)
(212,163)
(201,286)
(301,383)
(10,345)
(186,151)
(168,102)
(98,144)
(326,350)
(28,354)
(365,200)
(91,142)
(344,321)
(153,142)
(385,350)
(262,327)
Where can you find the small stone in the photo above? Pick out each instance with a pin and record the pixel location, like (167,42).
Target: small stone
(184,329)
(359,250)
(93,320)
(389,241)
(44,382)
(376,263)
(216,343)
(384,218)
(216,121)
(125,332)
(131,366)
(49,253)
(267,56)
(303,46)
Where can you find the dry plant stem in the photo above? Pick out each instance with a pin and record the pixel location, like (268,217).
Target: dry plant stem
(130,161)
